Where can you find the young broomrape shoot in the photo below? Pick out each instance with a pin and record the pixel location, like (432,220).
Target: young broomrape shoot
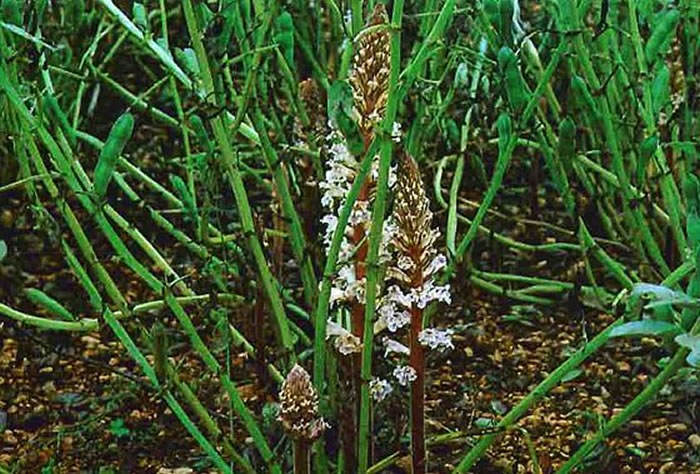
(299,415)
(417,262)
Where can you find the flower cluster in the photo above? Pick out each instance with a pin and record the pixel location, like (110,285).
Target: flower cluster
(299,407)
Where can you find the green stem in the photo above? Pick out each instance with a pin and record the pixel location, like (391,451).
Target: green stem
(80,325)
(629,411)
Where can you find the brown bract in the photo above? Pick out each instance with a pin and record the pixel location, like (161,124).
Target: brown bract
(415,237)
(369,76)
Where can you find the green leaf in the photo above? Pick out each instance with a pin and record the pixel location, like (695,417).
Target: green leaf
(188,59)
(284,36)
(647,327)
(571,375)
(118,428)
(3,250)
(660,90)
(484,423)
(141,17)
(340,100)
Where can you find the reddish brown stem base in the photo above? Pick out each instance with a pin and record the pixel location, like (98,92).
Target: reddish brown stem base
(417,361)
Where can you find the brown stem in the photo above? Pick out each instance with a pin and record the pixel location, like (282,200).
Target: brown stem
(417,361)
(301,456)
(347,414)
(357,314)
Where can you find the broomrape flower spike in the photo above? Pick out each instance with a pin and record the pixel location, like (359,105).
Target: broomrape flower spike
(299,407)
(369,76)
(416,263)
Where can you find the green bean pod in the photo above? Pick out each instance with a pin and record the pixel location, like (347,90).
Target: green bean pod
(40,298)
(516,88)
(646,151)
(185,195)
(583,98)
(159,340)
(661,36)
(114,145)
(141,17)
(566,147)
(505,10)
(284,36)
(660,89)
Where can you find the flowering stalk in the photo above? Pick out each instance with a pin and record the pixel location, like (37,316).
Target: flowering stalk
(299,416)
(416,263)
(369,80)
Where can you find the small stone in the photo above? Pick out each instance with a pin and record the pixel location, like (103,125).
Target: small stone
(694,440)
(667,468)
(9,438)
(678,427)
(623,366)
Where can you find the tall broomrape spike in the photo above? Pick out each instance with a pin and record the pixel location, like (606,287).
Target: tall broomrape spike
(417,261)
(369,76)
(369,80)
(299,415)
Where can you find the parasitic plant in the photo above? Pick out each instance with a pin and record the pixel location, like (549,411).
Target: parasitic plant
(299,415)
(415,266)
(369,81)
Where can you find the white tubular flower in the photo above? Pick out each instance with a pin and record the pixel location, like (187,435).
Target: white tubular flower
(394,347)
(394,294)
(345,342)
(396,132)
(436,264)
(348,344)
(393,318)
(404,375)
(431,292)
(433,338)
(379,389)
